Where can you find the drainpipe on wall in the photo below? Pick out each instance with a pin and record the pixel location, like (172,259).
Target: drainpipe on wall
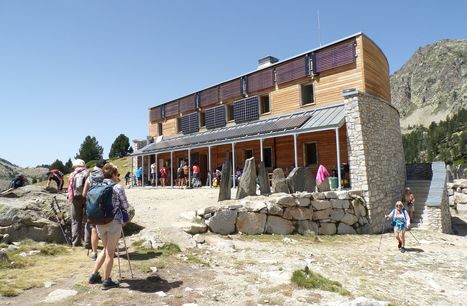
(338,160)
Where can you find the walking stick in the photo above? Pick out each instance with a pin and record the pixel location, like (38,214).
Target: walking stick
(118,259)
(127,255)
(414,237)
(382,232)
(58,216)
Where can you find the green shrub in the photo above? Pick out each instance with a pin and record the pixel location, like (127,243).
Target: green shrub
(309,279)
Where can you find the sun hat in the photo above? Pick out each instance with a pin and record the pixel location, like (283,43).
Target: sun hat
(78,163)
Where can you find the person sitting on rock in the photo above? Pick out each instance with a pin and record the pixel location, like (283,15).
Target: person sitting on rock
(57,176)
(17,182)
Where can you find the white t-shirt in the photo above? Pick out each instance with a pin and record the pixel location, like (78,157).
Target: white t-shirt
(153,168)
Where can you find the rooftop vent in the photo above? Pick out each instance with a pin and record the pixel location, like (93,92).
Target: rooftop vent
(266,61)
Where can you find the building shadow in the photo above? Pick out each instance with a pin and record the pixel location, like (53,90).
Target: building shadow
(152,284)
(459,226)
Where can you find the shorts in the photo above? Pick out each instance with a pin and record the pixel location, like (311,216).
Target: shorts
(196,175)
(410,207)
(181,175)
(111,230)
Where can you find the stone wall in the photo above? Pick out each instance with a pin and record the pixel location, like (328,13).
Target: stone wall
(438,218)
(324,213)
(376,154)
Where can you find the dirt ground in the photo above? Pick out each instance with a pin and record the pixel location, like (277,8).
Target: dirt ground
(252,270)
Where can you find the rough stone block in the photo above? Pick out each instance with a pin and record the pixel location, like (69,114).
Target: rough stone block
(254,206)
(344,229)
(320,204)
(264,187)
(336,203)
(298,213)
(302,202)
(251,223)
(318,196)
(280,185)
(330,195)
(337,214)
(327,229)
(305,226)
(303,194)
(322,214)
(285,201)
(349,219)
(274,209)
(222,222)
(278,225)
(343,195)
(301,179)
(247,185)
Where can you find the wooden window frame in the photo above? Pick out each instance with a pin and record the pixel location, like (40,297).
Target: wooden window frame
(261,104)
(305,155)
(272,160)
(313,94)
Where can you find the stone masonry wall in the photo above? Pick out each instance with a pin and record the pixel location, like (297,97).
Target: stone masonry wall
(324,213)
(376,154)
(438,218)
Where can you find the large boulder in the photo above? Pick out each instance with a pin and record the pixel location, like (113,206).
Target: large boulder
(278,225)
(264,187)
(298,213)
(247,185)
(327,229)
(226,180)
(223,222)
(279,182)
(301,179)
(344,229)
(251,223)
(306,226)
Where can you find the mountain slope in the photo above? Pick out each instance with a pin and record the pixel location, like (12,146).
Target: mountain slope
(432,84)
(8,171)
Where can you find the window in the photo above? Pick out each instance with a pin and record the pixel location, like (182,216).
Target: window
(179,125)
(267,157)
(265,107)
(230,112)
(159,129)
(202,119)
(248,153)
(307,94)
(310,154)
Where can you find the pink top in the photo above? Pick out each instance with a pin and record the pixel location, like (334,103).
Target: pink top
(322,174)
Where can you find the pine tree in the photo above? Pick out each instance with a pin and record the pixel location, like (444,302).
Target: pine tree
(68,166)
(120,146)
(57,164)
(90,149)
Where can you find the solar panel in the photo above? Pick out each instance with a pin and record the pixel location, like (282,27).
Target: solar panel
(190,123)
(246,109)
(215,117)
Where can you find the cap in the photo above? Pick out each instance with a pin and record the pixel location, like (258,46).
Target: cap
(78,163)
(100,163)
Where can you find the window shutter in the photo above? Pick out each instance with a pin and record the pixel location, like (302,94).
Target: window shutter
(209,96)
(246,109)
(190,123)
(260,80)
(232,89)
(335,56)
(215,117)
(291,70)
(187,104)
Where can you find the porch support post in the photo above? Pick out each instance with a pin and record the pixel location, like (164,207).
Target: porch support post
(171,170)
(142,167)
(261,148)
(338,159)
(233,164)
(189,167)
(209,166)
(157,167)
(295,150)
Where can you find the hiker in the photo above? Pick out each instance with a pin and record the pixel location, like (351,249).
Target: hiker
(401,223)
(153,173)
(77,200)
(17,182)
(186,171)
(57,176)
(127,178)
(139,176)
(110,233)
(409,200)
(196,182)
(163,172)
(181,175)
(91,239)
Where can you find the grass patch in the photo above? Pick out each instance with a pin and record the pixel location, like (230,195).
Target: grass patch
(145,258)
(169,248)
(309,279)
(196,260)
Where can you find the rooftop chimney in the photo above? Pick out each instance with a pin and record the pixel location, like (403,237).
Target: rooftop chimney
(266,61)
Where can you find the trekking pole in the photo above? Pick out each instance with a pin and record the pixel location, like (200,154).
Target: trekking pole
(382,232)
(118,259)
(54,201)
(127,255)
(414,237)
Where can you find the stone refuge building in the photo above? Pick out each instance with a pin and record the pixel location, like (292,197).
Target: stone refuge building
(328,106)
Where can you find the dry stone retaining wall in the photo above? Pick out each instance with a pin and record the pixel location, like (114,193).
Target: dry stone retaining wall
(324,213)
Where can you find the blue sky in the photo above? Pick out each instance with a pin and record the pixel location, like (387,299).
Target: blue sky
(69,69)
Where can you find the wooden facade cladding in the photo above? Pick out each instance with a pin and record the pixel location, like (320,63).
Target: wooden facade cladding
(260,80)
(291,70)
(231,90)
(152,129)
(209,96)
(285,100)
(155,114)
(170,127)
(334,56)
(375,70)
(171,109)
(187,104)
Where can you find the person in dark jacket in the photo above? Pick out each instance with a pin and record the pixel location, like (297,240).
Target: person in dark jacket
(17,182)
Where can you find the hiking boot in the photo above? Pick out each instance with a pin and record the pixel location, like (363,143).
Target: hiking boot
(109,283)
(402,250)
(400,245)
(95,278)
(93,255)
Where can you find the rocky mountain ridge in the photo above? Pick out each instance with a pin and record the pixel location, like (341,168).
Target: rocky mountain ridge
(432,84)
(8,171)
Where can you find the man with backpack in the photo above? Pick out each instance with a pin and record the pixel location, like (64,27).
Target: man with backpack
(91,239)
(57,176)
(75,196)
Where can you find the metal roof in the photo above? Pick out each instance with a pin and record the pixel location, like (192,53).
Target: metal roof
(318,119)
